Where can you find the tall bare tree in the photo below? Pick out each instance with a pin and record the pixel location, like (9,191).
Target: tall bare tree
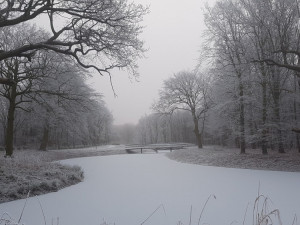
(248,39)
(186,91)
(228,35)
(285,26)
(23,76)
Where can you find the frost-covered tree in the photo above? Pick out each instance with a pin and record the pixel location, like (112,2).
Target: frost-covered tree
(228,35)
(246,41)
(24,75)
(186,91)
(63,122)
(104,30)
(3,121)
(50,83)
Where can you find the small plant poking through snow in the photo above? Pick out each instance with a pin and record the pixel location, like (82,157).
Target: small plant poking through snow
(262,215)
(23,174)
(7,220)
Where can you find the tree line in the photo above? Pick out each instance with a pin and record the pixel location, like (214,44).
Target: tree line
(48,103)
(245,90)
(256,46)
(43,94)
(156,128)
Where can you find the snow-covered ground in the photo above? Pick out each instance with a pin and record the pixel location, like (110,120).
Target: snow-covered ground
(29,171)
(126,189)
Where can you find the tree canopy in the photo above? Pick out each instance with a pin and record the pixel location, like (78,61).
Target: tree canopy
(98,34)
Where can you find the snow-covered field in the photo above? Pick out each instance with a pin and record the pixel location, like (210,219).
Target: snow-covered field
(126,189)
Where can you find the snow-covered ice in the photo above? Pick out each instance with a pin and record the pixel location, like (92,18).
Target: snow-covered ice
(126,189)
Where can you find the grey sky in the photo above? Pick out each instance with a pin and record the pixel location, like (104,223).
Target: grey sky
(173,36)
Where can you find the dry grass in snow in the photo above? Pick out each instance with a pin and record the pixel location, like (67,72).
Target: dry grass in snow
(231,158)
(29,171)
(262,214)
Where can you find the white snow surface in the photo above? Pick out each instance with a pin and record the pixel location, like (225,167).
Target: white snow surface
(126,189)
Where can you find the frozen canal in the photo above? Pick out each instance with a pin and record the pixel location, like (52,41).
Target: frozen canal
(126,189)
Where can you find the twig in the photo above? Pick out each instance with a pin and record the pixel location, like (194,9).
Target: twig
(191,215)
(160,206)
(245,214)
(204,207)
(42,210)
(24,207)
(2,219)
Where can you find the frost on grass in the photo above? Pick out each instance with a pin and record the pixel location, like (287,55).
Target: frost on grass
(30,172)
(231,158)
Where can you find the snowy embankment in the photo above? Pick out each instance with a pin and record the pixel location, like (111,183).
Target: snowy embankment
(126,189)
(29,171)
(231,158)
(34,171)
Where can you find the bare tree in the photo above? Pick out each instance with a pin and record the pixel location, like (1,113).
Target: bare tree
(23,76)
(104,30)
(284,27)
(186,91)
(246,40)
(34,81)
(61,97)
(283,35)
(61,111)
(227,34)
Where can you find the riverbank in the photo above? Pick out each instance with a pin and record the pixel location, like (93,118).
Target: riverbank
(231,158)
(127,189)
(40,172)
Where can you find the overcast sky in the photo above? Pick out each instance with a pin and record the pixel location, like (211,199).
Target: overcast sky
(173,36)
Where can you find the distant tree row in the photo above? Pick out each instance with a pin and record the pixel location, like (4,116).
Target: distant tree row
(156,128)
(164,128)
(69,126)
(245,91)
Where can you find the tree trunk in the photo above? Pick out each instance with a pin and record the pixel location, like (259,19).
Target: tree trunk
(196,131)
(199,139)
(242,116)
(264,114)
(264,148)
(252,126)
(278,120)
(276,97)
(45,139)
(295,109)
(10,122)
(280,142)
(298,142)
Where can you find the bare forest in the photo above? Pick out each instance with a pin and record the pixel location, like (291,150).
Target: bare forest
(45,100)
(244,92)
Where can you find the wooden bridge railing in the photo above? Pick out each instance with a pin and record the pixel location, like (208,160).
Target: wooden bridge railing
(156,147)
